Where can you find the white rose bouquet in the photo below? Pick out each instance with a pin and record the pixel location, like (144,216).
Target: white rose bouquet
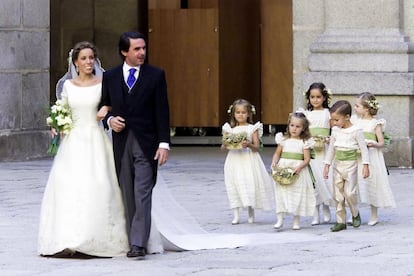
(60,118)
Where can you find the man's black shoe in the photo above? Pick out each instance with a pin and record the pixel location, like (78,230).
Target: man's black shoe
(136,251)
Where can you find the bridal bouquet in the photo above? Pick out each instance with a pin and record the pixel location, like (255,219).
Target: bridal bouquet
(234,140)
(60,119)
(284,176)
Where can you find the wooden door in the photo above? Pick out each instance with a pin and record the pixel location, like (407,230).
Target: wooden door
(276,60)
(210,50)
(184,42)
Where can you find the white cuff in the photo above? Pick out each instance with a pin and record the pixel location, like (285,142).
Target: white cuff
(107,122)
(164,145)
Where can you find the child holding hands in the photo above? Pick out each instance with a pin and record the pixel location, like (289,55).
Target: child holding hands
(346,139)
(247,181)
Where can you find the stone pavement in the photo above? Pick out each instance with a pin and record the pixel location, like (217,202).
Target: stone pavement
(195,177)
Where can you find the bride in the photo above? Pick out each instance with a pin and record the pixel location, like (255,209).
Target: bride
(82,210)
(82,207)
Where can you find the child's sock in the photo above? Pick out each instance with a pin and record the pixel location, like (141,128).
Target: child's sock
(296,223)
(279,223)
(374,216)
(316,219)
(236,217)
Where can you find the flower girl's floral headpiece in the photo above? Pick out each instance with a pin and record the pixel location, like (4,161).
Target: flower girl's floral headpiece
(373,104)
(326,91)
(230,109)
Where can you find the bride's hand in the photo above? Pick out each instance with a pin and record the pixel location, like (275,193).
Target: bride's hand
(102,112)
(53,132)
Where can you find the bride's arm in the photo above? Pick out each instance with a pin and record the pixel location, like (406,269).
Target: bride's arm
(102,112)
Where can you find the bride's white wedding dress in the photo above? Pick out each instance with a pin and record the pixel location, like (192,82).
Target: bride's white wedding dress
(177,230)
(82,207)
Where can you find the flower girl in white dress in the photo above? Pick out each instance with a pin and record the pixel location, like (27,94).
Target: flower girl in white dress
(375,190)
(317,112)
(293,151)
(247,181)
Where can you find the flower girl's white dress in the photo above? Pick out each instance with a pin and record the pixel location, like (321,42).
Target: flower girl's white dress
(247,181)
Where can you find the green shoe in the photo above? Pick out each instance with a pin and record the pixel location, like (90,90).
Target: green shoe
(338,227)
(356,221)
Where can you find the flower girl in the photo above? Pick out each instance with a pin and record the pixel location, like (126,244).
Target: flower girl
(317,112)
(248,184)
(378,190)
(293,152)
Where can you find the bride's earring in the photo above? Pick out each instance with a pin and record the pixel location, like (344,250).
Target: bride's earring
(77,69)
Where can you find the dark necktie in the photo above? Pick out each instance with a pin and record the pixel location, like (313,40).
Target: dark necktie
(131,77)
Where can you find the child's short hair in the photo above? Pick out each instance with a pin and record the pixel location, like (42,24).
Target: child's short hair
(341,107)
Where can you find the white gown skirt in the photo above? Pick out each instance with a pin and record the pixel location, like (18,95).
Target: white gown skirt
(82,206)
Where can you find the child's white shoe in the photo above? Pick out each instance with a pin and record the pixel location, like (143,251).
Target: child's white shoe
(279,223)
(374,216)
(236,218)
(316,219)
(372,222)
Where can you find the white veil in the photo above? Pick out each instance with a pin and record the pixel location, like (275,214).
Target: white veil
(72,73)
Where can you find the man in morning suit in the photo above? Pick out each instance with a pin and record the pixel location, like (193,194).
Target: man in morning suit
(139,119)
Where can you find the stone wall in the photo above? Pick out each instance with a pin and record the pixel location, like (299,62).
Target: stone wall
(357,46)
(24,78)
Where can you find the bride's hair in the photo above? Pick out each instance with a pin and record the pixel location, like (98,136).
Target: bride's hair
(80,46)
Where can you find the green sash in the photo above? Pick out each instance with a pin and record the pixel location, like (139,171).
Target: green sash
(370,136)
(346,155)
(319,131)
(292,155)
(373,136)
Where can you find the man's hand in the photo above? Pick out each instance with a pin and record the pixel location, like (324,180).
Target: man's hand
(117,123)
(161,155)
